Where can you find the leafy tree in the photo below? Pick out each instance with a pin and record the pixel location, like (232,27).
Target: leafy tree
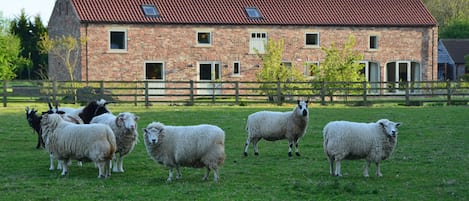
(66,48)
(448,11)
(29,32)
(340,65)
(458,28)
(9,51)
(274,71)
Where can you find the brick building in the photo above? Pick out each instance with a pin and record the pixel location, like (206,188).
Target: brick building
(213,39)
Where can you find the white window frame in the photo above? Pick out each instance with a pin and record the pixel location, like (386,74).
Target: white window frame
(110,48)
(257,40)
(307,68)
(317,41)
(376,42)
(238,63)
(210,37)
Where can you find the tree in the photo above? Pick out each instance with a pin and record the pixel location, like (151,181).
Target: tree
(340,65)
(29,33)
(458,28)
(66,48)
(448,11)
(9,52)
(275,72)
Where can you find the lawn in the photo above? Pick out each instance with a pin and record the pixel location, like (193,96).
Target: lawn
(430,161)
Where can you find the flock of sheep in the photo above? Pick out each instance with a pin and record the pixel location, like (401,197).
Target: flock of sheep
(93,134)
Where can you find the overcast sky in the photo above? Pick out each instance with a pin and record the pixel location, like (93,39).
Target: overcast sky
(12,8)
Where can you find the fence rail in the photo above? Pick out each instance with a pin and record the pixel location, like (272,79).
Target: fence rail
(226,92)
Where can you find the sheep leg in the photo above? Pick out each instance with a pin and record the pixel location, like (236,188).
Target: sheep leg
(170,177)
(178,173)
(378,171)
(337,168)
(115,166)
(39,142)
(297,151)
(207,173)
(102,169)
(331,165)
(119,164)
(254,144)
(216,176)
(290,145)
(64,166)
(246,147)
(51,159)
(367,165)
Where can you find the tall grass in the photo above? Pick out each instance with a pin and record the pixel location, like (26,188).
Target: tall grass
(430,161)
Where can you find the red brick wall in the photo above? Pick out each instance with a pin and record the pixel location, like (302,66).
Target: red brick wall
(175,46)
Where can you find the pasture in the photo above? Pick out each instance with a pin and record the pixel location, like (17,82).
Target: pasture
(430,161)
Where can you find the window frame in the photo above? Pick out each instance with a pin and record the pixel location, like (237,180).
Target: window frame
(162,70)
(254,40)
(307,68)
(210,38)
(236,64)
(253,13)
(124,40)
(153,8)
(373,42)
(317,39)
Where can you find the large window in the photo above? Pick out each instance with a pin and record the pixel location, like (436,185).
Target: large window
(371,73)
(401,72)
(257,42)
(312,39)
(117,40)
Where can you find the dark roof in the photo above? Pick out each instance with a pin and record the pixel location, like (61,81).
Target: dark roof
(273,12)
(457,49)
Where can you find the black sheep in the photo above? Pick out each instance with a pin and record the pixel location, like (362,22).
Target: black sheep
(94,108)
(35,122)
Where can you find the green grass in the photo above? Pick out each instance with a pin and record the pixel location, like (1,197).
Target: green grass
(430,161)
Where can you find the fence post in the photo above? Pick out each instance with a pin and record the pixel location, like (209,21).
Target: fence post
(448,91)
(5,93)
(323,93)
(54,90)
(147,103)
(364,93)
(279,96)
(407,94)
(191,92)
(101,86)
(237,92)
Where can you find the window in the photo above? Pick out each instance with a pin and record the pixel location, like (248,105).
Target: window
(400,72)
(371,73)
(236,68)
(150,11)
(253,13)
(154,70)
(373,42)
(312,39)
(118,40)
(257,42)
(311,67)
(204,38)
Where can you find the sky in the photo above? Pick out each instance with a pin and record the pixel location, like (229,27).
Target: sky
(12,8)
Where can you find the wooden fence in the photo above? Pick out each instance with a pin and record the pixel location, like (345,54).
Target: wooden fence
(236,93)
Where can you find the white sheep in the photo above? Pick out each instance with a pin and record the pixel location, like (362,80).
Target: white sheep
(186,146)
(84,142)
(273,126)
(351,141)
(124,127)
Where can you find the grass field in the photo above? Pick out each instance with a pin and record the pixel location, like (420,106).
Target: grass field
(430,161)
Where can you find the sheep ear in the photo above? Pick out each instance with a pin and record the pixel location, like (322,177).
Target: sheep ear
(144,130)
(398,124)
(26,109)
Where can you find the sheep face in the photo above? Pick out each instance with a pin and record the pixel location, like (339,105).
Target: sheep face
(302,108)
(389,127)
(127,120)
(31,115)
(151,134)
